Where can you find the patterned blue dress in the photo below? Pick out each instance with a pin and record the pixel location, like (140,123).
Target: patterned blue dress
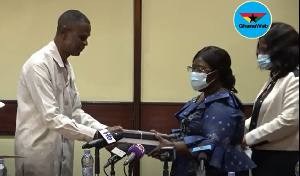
(217,121)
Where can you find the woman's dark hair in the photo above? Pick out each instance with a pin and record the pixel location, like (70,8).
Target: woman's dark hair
(218,59)
(282,42)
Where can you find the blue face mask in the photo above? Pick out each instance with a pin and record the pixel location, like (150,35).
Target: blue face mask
(264,61)
(198,80)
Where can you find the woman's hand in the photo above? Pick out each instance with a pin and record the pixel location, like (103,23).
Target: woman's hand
(244,144)
(170,137)
(162,143)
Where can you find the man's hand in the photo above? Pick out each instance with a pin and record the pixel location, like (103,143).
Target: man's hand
(115,129)
(112,129)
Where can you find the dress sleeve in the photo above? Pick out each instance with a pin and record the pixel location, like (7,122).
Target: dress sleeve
(219,124)
(222,127)
(175,132)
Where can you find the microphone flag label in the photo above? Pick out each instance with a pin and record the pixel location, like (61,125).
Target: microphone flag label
(201,148)
(141,147)
(118,152)
(107,136)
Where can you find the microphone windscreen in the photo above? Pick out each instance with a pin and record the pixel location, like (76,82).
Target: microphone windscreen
(124,147)
(138,149)
(117,136)
(202,155)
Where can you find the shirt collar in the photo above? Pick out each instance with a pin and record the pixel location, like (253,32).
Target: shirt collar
(231,99)
(216,96)
(212,98)
(55,54)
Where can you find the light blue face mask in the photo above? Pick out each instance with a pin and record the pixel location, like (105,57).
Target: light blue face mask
(264,61)
(198,80)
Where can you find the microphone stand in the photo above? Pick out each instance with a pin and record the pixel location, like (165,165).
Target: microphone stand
(112,168)
(166,168)
(97,161)
(130,166)
(202,158)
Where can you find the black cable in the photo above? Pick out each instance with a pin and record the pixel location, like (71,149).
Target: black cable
(105,171)
(124,170)
(130,167)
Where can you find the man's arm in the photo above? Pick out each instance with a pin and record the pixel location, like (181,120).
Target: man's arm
(39,85)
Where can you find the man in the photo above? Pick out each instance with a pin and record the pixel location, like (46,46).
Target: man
(49,115)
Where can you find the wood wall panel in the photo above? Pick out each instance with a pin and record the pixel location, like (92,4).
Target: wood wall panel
(109,113)
(8,118)
(160,116)
(156,115)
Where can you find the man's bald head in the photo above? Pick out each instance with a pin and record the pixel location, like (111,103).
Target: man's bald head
(73,30)
(70,17)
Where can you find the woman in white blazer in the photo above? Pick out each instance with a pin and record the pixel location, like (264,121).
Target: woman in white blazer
(272,131)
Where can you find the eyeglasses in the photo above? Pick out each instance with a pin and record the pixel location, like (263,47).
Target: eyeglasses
(197,69)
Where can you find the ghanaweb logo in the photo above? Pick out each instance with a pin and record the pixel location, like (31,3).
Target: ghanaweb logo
(252,19)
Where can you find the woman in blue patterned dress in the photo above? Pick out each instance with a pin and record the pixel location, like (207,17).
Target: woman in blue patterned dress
(214,118)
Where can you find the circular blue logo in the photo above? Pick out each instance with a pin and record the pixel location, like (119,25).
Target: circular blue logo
(252,19)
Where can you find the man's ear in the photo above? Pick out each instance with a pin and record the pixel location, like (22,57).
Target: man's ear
(64,31)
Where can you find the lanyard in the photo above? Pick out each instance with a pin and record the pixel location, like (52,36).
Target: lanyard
(258,104)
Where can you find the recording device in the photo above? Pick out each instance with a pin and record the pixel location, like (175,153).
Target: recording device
(167,154)
(117,155)
(201,153)
(104,140)
(135,152)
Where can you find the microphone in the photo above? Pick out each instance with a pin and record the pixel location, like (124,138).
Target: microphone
(119,153)
(135,152)
(102,142)
(201,153)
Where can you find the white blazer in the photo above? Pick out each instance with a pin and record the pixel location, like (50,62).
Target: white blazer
(278,120)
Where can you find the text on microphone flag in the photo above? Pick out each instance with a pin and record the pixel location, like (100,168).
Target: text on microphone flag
(141,147)
(202,148)
(107,136)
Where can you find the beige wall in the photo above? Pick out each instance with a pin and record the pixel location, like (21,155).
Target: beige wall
(104,69)
(173,31)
